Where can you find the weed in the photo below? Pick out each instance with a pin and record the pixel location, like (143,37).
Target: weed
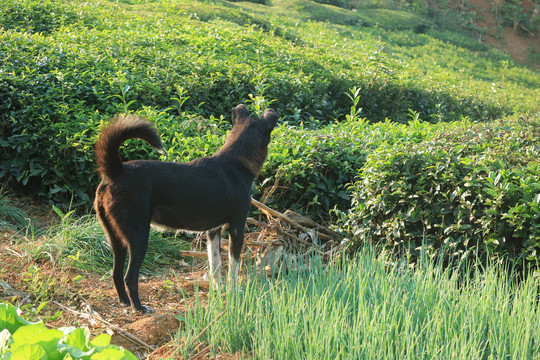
(42,288)
(11,214)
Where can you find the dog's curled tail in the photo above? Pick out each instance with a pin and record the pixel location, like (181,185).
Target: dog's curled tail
(113,135)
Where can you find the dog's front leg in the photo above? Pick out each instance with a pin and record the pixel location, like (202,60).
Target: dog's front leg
(236,240)
(214,256)
(234,266)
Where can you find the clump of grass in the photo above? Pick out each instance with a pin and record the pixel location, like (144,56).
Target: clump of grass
(366,309)
(11,215)
(79,241)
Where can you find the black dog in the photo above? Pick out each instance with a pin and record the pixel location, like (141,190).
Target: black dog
(201,195)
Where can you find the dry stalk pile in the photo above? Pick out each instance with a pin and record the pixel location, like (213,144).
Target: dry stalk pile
(279,241)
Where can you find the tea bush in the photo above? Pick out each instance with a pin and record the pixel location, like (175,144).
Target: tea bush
(39,16)
(67,67)
(475,189)
(313,168)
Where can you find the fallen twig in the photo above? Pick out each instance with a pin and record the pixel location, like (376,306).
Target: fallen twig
(282,238)
(269,211)
(11,291)
(288,219)
(201,353)
(209,325)
(305,221)
(98,317)
(158,350)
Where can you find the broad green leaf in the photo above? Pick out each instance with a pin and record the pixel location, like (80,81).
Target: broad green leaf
(40,335)
(29,352)
(113,353)
(78,338)
(10,319)
(101,340)
(58,211)
(71,351)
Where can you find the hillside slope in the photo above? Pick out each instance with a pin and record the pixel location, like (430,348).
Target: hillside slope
(520,41)
(69,66)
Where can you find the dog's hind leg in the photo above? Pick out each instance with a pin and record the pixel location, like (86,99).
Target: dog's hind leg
(119,251)
(236,240)
(119,261)
(214,256)
(138,244)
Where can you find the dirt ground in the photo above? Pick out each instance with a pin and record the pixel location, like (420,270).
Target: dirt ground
(89,299)
(92,301)
(518,45)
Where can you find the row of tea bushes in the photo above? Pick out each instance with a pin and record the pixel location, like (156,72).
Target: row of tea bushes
(475,189)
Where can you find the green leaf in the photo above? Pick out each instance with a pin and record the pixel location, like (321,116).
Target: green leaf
(101,340)
(9,319)
(74,352)
(29,352)
(78,338)
(40,335)
(113,353)
(58,211)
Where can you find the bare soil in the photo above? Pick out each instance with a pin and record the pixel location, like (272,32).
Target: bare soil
(517,43)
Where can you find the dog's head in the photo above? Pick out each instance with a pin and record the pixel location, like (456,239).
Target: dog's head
(249,138)
(266,123)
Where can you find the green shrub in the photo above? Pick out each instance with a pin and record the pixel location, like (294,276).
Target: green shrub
(39,16)
(340,3)
(474,189)
(253,1)
(78,66)
(313,168)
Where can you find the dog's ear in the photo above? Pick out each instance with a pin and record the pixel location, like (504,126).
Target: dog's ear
(270,118)
(239,113)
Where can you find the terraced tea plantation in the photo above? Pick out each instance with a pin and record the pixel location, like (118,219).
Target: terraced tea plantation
(415,141)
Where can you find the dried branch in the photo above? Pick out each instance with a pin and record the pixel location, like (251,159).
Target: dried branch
(282,238)
(269,211)
(200,254)
(200,353)
(96,316)
(299,221)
